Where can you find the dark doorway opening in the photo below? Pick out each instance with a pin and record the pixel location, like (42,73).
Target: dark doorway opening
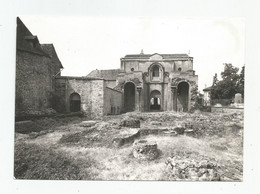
(129,97)
(183,96)
(155,104)
(155,100)
(74,102)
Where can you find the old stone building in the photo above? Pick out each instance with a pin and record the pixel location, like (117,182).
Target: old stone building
(36,66)
(144,82)
(89,95)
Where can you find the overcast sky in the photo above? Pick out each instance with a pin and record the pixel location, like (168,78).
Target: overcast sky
(87,43)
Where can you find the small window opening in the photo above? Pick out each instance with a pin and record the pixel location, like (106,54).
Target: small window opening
(155,71)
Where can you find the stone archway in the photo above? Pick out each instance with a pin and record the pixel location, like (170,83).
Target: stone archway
(156,71)
(155,100)
(183,96)
(129,97)
(75,102)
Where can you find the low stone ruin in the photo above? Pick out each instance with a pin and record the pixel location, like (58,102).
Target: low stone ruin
(145,150)
(130,122)
(127,135)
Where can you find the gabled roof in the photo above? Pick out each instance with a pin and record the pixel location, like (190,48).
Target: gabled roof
(50,50)
(25,41)
(109,74)
(147,56)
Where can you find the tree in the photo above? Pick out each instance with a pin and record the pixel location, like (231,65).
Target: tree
(214,91)
(230,84)
(230,72)
(241,81)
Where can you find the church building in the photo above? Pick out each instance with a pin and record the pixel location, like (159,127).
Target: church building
(153,82)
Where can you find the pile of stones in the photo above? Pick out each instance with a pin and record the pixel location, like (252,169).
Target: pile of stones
(183,166)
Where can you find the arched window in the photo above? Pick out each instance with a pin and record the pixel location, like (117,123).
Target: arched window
(155,71)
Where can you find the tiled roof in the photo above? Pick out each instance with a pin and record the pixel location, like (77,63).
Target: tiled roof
(50,50)
(147,56)
(109,74)
(25,41)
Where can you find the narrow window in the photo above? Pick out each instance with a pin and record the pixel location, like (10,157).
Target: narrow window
(155,71)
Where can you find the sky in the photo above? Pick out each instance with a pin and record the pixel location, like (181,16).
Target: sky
(87,43)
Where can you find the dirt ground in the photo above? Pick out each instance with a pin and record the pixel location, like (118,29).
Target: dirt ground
(67,149)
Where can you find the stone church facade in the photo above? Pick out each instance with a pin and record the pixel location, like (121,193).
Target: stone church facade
(154,82)
(144,82)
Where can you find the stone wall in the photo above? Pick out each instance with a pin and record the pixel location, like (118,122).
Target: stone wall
(111,83)
(112,101)
(34,82)
(135,77)
(91,93)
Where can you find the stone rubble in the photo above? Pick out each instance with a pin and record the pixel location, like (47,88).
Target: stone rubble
(187,166)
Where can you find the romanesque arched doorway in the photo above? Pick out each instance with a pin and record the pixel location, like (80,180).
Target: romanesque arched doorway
(155,100)
(74,102)
(129,97)
(183,96)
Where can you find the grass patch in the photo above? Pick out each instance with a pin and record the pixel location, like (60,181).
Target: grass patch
(35,162)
